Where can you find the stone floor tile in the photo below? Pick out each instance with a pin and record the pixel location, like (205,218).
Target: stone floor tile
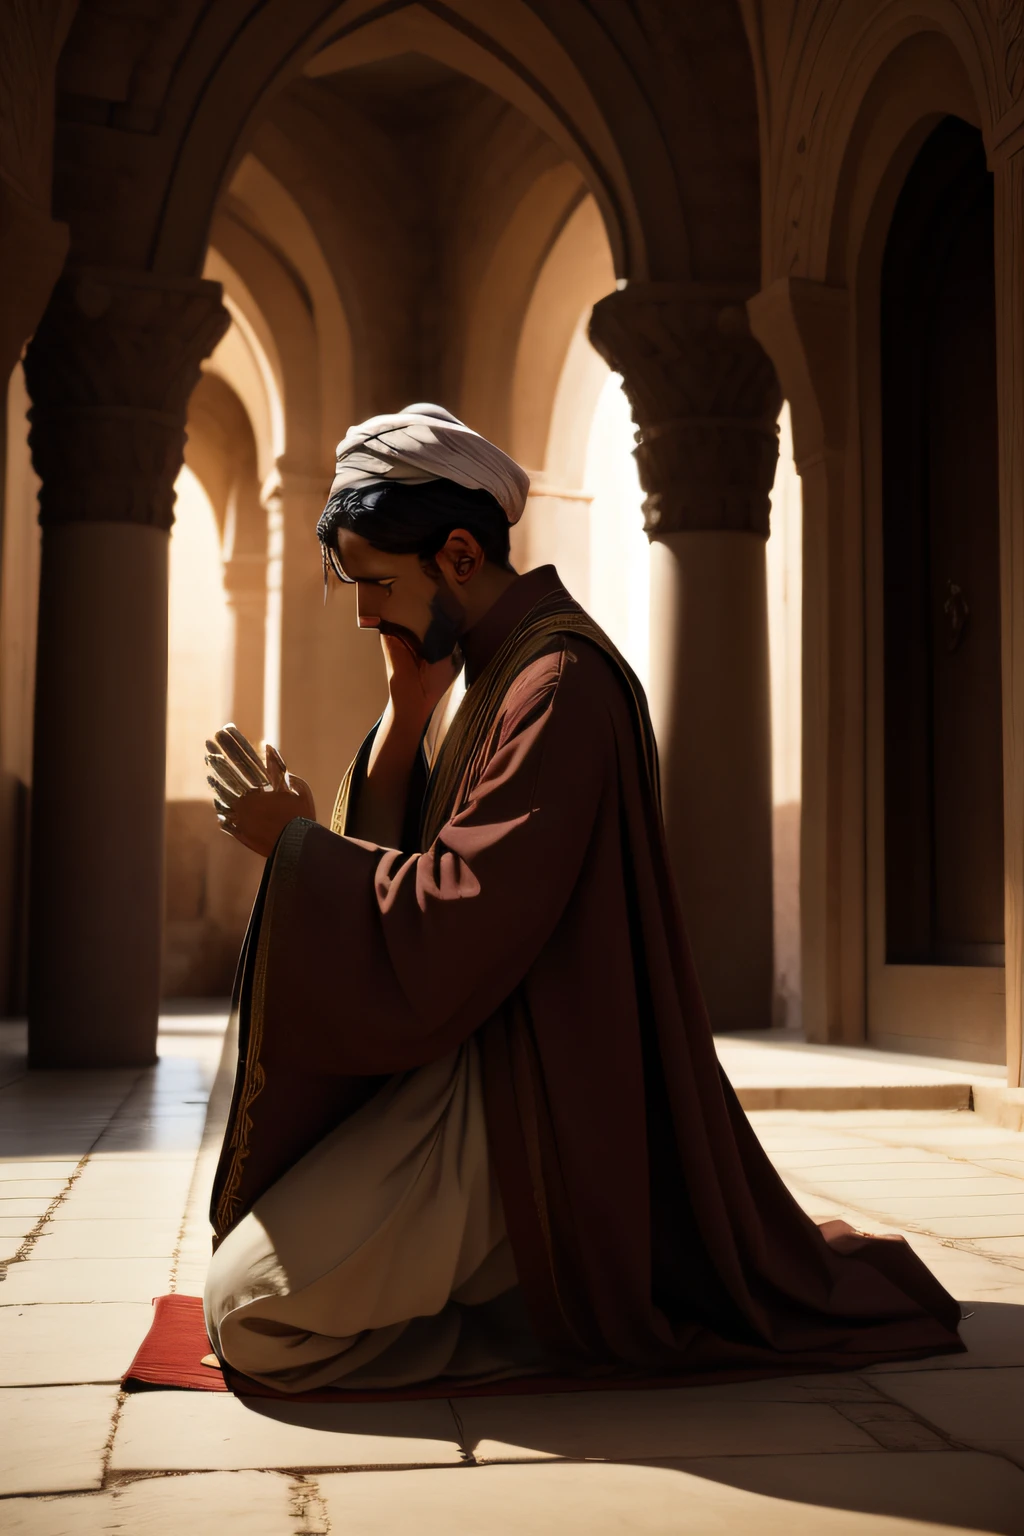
(165,1204)
(966,1272)
(74,1342)
(57,1280)
(54,1437)
(208,1431)
(1012,1166)
(43,1113)
(977,1229)
(190,1279)
(35,1170)
(108,1238)
(35,1207)
(60,1087)
(123,1174)
(196,1253)
(16,1228)
(203,1504)
(48,1107)
(60,1145)
(158,1189)
(66,1079)
(799,1139)
(982,1408)
(154,1134)
(959,1202)
(197,1237)
(627,1425)
(1004,1247)
(994,1335)
(940,1170)
(859,1153)
(887,1494)
(970,1190)
(946,1491)
(969,1141)
(894,1427)
(997,1282)
(32,1189)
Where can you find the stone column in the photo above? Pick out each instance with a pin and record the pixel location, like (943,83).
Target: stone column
(804,327)
(706,403)
(110,370)
(1009,177)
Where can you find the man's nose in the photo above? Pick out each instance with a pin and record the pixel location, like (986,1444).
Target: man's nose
(367,608)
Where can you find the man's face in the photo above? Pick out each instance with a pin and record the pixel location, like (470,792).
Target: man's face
(396,596)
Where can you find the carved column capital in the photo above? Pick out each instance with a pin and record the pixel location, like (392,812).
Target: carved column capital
(110,371)
(705,400)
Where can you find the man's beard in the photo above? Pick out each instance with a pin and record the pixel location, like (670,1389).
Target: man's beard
(440,640)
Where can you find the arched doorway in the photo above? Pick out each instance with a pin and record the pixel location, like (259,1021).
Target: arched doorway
(935,836)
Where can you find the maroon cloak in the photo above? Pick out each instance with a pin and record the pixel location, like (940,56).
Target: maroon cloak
(651,1233)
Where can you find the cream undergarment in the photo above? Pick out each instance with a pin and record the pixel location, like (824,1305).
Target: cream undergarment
(381,1258)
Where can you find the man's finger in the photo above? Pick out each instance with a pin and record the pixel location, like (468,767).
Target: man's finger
(228,775)
(245,762)
(242,764)
(223,792)
(276,768)
(246,746)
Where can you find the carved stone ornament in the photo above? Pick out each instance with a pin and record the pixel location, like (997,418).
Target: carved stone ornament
(705,400)
(1010,19)
(110,371)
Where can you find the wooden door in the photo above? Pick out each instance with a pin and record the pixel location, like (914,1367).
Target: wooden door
(935,861)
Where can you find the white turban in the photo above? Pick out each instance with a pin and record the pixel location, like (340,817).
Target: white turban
(426,442)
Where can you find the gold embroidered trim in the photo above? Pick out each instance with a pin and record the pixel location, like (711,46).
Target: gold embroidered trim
(255,1078)
(339,816)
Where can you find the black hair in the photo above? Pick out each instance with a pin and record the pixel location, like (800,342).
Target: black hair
(413,519)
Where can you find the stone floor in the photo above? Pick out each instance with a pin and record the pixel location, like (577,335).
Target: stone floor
(102,1206)
(777,1069)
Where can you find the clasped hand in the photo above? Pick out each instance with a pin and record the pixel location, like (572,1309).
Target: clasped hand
(254,800)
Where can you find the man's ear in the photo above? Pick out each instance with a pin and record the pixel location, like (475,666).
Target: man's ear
(461,556)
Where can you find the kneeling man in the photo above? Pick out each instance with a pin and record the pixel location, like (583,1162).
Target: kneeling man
(479,1127)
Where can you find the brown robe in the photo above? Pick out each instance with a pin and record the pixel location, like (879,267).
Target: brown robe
(650,1231)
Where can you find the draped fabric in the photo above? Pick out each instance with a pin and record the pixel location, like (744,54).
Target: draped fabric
(649,1230)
